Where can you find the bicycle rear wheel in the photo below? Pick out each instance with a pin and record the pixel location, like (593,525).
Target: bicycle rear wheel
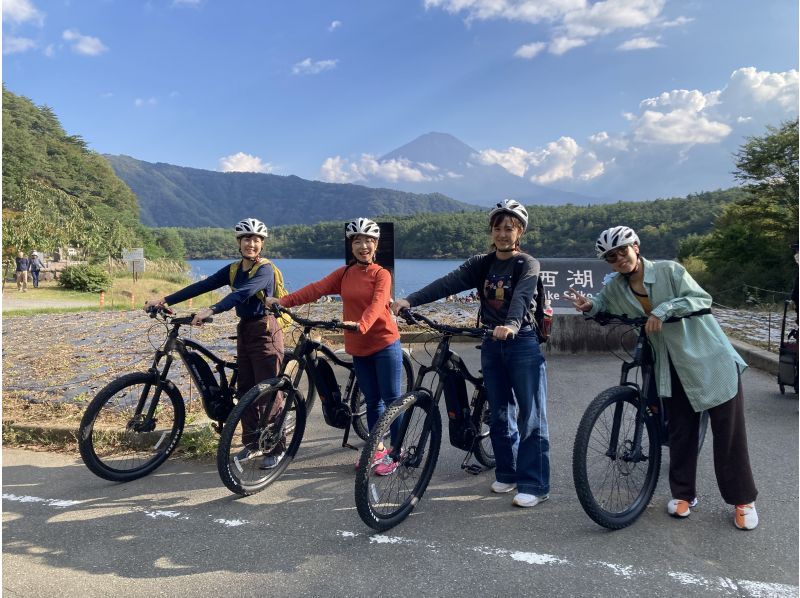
(383,501)
(117,439)
(616,480)
(484,452)
(358,406)
(242,455)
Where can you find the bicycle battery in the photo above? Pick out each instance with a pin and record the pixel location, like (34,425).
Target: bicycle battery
(462,432)
(334,410)
(216,405)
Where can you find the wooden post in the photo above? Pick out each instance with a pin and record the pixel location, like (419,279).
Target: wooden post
(102,299)
(133,300)
(190,303)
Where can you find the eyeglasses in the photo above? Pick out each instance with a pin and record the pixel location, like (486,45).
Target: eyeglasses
(612,255)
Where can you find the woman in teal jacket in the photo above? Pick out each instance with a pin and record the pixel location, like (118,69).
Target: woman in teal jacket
(695,365)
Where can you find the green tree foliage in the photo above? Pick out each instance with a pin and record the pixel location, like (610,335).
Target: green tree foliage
(58,193)
(748,252)
(86,278)
(563,231)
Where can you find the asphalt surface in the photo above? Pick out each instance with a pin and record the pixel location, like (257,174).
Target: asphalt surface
(179,531)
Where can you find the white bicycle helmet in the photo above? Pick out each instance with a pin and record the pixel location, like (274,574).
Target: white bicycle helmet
(363,226)
(612,238)
(250,226)
(513,207)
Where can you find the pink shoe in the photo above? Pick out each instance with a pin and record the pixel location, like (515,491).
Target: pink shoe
(386,466)
(376,458)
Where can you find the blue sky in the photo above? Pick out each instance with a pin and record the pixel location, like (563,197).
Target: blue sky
(628,97)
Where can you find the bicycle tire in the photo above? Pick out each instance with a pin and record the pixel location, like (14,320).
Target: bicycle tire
(615,491)
(384,501)
(358,406)
(301,381)
(245,477)
(484,452)
(114,446)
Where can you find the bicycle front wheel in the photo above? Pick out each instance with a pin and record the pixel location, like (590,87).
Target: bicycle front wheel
(119,439)
(616,458)
(358,406)
(260,437)
(386,495)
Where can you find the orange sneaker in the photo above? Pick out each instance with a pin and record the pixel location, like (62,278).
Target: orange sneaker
(681,508)
(745,516)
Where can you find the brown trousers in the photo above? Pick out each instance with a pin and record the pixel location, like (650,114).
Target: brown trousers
(731,457)
(259,348)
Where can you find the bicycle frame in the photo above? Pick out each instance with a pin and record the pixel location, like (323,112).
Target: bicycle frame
(175,344)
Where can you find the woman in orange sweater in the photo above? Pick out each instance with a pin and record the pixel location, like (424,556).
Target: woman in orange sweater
(365,288)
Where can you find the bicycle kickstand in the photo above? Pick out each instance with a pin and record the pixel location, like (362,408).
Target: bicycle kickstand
(474,468)
(346,444)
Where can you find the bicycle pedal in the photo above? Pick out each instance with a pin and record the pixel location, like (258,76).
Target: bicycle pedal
(473,469)
(217,427)
(350,446)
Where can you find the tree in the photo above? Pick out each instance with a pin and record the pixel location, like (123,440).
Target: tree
(748,252)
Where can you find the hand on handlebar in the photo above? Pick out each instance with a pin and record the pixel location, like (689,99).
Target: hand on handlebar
(579,300)
(154,304)
(399,305)
(502,333)
(653,325)
(201,315)
(350,326)
(270,302)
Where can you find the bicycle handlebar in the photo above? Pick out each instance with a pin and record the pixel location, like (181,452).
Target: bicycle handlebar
(168,315)
(333,324)
(603,318)
(417,318)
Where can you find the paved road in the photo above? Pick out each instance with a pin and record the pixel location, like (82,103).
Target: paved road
(68,533)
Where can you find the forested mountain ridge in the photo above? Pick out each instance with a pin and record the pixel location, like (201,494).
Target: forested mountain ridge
(36,147)
(172,195)
(562,231)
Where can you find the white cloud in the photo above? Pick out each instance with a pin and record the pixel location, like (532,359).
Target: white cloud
(530,50)
(678,22)
(573,22)
(562,159)
(561,45)
(84,44)
(16,45)
(49,50)
(639,43)
(141,102)
(750,88)
(309,67)
(21,11)
(241,162)
(340,170)
(334,25)
(515,160)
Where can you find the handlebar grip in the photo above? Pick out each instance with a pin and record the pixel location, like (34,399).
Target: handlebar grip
(353,327)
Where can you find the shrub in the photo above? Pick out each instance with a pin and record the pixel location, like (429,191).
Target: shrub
(83,277)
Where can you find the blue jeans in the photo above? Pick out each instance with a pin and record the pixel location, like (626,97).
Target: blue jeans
(378,377)
(35,277)
(516,385)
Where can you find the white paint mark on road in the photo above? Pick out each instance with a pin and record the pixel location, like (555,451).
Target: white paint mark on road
(53,502)
(718,586)
(156,514)
(231,522)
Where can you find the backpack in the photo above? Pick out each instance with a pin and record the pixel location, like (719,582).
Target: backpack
(542,314)
(279,287)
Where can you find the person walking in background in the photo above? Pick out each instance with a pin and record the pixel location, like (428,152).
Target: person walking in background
(365,288)
(21,273)
(695,367)
(36,265)
(513,370)
(259,339)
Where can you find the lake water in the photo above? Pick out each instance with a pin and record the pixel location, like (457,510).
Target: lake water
(558,274)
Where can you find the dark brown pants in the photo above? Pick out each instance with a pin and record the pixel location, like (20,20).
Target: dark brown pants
(731,457)
(259,348)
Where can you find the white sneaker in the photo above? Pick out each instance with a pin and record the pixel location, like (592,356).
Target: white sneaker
(745,516)
(502,488)
(528,500)
(681,508)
